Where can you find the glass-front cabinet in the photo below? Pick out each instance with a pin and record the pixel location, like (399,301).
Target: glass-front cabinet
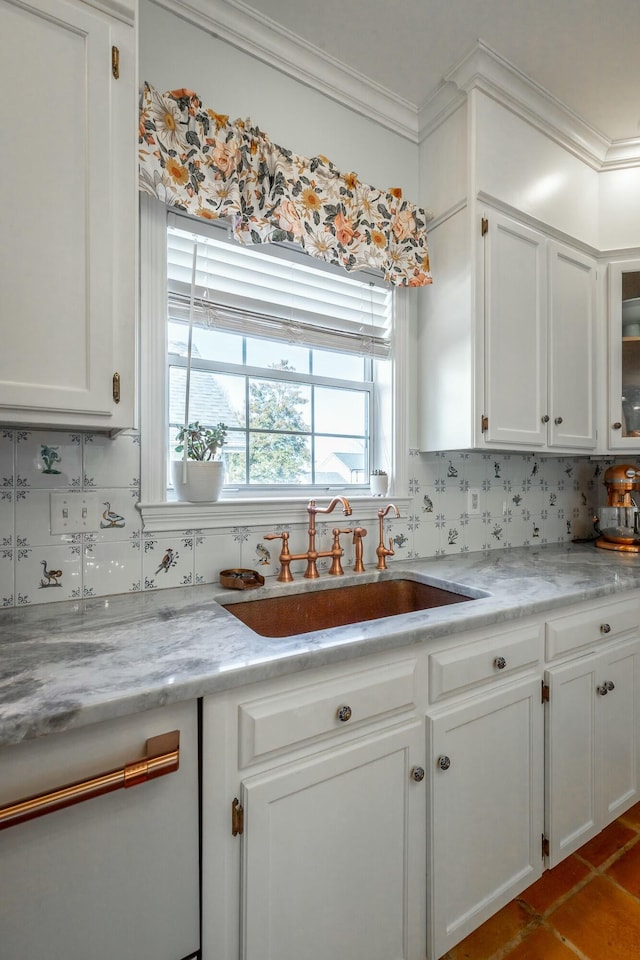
(624,355)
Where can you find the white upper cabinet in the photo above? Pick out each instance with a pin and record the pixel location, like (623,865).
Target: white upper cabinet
(506,348)
(540,298)
(68,224)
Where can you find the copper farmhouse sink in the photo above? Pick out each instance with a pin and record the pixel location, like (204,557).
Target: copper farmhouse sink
(293,613)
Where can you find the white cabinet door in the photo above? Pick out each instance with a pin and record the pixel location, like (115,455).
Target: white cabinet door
(67,228)
(333,854)
(570,758)
(618,713)
(115,876)
(624,356)
(592,746)
(572,304)
(486,808)
(515,333)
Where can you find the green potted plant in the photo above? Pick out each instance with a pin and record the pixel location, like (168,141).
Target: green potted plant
(378,483)
(198,475)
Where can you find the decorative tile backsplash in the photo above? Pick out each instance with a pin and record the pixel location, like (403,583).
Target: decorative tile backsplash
(518,500)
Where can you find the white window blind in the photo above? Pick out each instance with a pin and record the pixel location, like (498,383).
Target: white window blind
(273,292)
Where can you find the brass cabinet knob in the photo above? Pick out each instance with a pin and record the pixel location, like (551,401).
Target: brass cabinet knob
(444,763)
(617,425)
(344,713)
(545,419)
(605,628)
(417,774)
(499,663)
(606,687)
(558,421)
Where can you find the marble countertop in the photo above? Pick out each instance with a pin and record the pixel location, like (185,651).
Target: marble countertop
(69,664)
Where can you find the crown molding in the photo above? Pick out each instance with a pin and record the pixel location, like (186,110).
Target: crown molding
(622,154)
(485,70)
(240,25)
(482,68)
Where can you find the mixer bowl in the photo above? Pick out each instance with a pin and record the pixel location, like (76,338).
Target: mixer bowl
(618,524)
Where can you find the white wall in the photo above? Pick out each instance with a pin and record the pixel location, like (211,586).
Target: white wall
(518,164)
(174,53)
(444,164)
(620,209)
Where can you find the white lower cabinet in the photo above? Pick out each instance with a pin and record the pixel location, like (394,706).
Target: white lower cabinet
(330,861)
(367,835)
(592,744)
(112,876)
(485,819)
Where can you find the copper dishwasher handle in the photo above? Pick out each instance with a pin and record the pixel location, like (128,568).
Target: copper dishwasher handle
(162,756)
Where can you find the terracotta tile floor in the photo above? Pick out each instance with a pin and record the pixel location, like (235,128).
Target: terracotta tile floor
(588,907)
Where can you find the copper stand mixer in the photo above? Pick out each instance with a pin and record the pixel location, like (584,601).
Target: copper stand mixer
(618,523)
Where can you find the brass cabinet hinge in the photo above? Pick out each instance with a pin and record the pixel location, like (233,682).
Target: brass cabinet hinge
(545,846)
(116,388)
(484,424)
(115,63)
(545,692)
(484,228)
(237,817)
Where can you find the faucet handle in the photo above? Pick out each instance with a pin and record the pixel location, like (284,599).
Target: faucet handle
(337,551)
(285,575)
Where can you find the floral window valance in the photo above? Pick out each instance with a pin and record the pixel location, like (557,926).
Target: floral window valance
(196,160)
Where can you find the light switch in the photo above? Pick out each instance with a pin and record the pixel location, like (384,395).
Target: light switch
(74,513)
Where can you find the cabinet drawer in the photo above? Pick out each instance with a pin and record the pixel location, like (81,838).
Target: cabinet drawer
(582,629)
(482,660)
(282,721)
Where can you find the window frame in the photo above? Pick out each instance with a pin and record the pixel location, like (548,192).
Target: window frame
(160,514)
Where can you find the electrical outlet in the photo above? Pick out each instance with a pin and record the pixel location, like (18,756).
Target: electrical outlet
(74,512)
(473,505)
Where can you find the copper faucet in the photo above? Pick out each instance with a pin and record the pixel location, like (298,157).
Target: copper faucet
(312,555)
(381,551)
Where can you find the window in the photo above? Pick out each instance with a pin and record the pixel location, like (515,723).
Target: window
(390,418)
(292,355)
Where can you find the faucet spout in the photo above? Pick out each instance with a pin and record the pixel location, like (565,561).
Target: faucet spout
(346,506)
(383,512)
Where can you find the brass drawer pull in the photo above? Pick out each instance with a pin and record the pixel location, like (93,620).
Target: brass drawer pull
(444,763)
(344,713)
(605,628)
(499,663)
(162,756)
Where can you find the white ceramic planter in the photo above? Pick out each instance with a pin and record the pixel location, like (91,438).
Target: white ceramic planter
(378,484)
(204,480)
